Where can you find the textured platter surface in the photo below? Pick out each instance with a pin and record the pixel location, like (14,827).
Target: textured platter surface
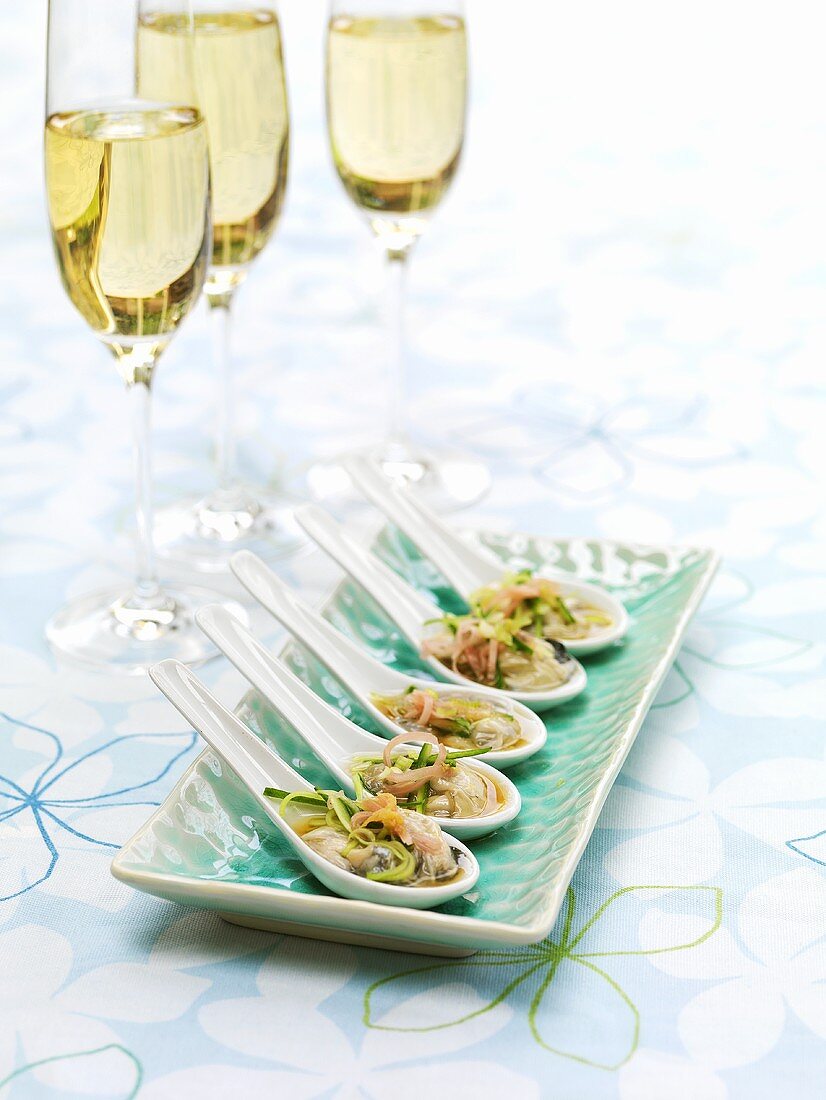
(209,844)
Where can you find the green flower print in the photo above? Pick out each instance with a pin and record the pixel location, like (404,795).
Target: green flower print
(526,974)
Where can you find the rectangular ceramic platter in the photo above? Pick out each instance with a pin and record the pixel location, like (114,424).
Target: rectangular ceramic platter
(210,845)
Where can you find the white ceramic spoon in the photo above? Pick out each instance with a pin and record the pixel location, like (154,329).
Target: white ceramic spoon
(409,609)
(363,674)
(333,737)
(466,567)
(258,767)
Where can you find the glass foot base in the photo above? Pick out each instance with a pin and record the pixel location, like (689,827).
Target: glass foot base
(446,479)
(107,631)
(204,533)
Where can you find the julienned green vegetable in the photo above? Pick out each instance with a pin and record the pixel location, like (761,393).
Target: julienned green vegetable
(499,650)
(429,780)
(512,636)
(539,606)
(374,836)
(458,722)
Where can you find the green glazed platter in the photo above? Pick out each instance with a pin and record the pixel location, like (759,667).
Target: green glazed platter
(209,844)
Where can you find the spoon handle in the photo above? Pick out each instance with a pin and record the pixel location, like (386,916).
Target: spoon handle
(464,567)
(325,729)
(408,609)
(342,656)
(254,764)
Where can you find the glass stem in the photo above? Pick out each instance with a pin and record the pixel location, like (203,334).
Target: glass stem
(147,590)
(396,347)
(219,309)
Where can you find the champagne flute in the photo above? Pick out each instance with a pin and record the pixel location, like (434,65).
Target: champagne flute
(396,102)
(242,93)
(128,192)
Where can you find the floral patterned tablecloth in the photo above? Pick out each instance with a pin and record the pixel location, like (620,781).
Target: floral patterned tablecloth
(632,330)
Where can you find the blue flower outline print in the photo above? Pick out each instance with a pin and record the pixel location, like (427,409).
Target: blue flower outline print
(48,811)
(816,841)
(679,685)
(608,438)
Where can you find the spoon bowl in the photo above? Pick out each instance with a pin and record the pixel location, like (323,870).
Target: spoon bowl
(333,737)
(410,610)
(467,567)
(258,767)
(363,674)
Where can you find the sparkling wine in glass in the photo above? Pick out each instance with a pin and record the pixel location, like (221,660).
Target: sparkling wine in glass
(396,104)
(128,194)
(242,93)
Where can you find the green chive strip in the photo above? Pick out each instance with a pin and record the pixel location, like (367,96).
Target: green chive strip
(460,754)
(421,759)
(295,796)
(422,796)
(564,612)
(358,785)
(339,808)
